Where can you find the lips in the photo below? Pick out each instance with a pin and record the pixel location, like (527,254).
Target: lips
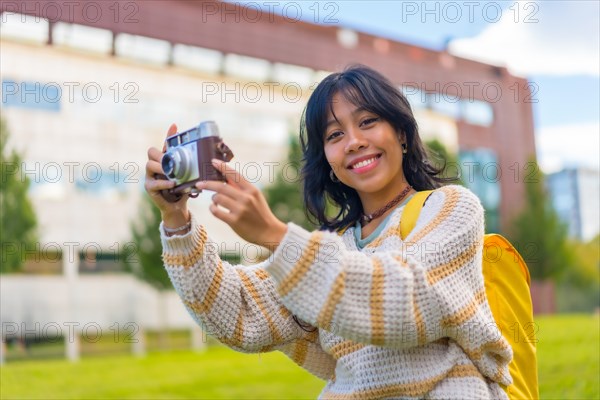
(363,161)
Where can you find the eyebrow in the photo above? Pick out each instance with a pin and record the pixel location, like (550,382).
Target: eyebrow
(356,111)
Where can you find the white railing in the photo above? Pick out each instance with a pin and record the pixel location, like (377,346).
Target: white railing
(72,305)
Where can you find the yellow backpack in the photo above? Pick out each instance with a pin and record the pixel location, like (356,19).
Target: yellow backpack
(507,281)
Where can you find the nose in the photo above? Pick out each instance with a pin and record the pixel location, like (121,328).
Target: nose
(356,140)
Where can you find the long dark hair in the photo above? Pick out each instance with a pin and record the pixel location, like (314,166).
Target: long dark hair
(363,87)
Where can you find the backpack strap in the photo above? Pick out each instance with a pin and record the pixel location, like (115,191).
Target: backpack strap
(411,212)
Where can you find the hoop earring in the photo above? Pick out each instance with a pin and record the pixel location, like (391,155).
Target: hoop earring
(333,178)
(404,148)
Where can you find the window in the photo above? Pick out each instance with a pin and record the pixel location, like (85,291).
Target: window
(445,104)
(103,182)
(24,27)
(247,67)
(477,112)
(43,96)
(197,58)
(82,37)
(142,48)
(481,173)
(287,73)
(416,97)
(347,38)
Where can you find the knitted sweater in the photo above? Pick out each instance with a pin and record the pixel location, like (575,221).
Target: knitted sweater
(397,319)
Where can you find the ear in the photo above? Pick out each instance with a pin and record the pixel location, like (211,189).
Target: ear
(402,137)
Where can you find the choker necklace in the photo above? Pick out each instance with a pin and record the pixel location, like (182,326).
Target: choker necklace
(366,218)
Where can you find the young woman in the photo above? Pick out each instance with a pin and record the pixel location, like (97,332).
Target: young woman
(354,304)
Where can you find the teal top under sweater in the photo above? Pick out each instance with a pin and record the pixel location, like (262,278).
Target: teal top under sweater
(361,243)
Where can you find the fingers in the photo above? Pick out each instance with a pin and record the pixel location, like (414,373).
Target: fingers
(154,154)
(220,213)
(153,167)
(172,130)
(232,198)
(219,187)
(156,185)
(232,175)
(225,201)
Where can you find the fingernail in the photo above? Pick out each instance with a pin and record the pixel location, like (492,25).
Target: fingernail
(216,161)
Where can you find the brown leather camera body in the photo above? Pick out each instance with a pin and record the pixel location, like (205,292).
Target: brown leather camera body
(207,148)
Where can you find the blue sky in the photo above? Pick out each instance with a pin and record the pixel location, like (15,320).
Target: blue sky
(553,43)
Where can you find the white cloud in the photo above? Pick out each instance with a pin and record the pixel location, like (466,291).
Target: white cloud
(565,40)
(568,146)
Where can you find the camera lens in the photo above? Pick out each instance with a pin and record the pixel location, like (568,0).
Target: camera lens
(176,164)
(168,165)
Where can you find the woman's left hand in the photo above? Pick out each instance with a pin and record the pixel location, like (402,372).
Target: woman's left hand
(249,214)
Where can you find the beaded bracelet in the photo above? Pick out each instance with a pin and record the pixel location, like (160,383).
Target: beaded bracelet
(170,231)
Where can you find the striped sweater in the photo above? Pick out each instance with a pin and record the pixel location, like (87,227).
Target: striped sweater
(397,319)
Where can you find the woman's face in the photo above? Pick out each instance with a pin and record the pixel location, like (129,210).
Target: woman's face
(364,151)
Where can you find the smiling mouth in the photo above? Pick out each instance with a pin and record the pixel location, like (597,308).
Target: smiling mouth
(364,163)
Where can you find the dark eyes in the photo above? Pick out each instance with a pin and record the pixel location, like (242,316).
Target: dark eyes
(333,135)
(365,123)
(368,121)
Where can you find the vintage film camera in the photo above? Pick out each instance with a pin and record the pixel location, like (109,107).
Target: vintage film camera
(188,156)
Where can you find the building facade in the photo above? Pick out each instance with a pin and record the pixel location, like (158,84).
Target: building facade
(87,87)
(575,196)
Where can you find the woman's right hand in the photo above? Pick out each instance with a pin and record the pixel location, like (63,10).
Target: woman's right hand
(176,214)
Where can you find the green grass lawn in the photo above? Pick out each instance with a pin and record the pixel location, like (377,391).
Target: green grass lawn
(568,358)
(218,373)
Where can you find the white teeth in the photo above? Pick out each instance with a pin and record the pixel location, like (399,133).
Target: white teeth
(364,163)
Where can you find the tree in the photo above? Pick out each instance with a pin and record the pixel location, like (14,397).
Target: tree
(144,256)
(285,195)
(439,156)
(540,235)
(18,222)
(587,270)
(579,289)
